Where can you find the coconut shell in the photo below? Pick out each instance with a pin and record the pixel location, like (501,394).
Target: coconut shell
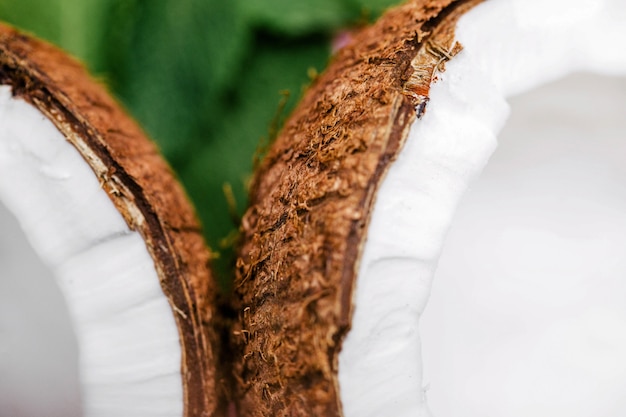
(142,187)
(311,200)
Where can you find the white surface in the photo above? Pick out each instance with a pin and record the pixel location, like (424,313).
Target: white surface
(508,48)
(38,348)
(129,352)
(527,314)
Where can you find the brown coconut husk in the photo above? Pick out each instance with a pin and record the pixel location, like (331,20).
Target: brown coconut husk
(142,187)
(311,202)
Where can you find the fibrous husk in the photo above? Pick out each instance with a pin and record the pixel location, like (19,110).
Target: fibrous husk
(311,202)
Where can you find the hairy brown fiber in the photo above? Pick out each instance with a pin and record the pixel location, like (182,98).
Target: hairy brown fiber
(142,187)
(310,207)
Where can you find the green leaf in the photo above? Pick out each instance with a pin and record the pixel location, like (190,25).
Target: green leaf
(298,17)
(170,61)
(372,9)
(74,25)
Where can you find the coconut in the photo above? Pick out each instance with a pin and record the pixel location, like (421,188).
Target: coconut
(351,206)
(113,229)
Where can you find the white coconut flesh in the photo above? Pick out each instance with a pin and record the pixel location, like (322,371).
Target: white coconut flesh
(129,355)
(556,347)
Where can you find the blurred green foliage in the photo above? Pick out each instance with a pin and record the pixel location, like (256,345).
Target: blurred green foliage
(203,77)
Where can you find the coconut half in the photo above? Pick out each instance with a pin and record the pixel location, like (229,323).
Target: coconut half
(350,209)
(113,228)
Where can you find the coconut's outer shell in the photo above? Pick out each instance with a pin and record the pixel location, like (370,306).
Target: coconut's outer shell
(310,207)
(142,187)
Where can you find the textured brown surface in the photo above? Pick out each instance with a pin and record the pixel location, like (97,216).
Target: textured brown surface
(142,187)
(310,205)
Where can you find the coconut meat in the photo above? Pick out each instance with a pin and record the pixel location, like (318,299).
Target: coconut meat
(509,47)
(129,351)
